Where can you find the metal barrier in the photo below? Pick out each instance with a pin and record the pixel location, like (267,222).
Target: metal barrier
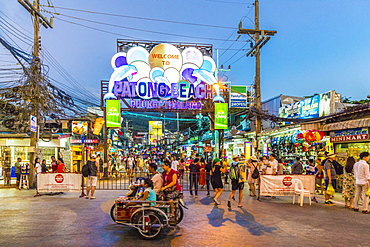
(121,180)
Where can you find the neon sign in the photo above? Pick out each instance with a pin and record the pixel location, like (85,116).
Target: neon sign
(164,77)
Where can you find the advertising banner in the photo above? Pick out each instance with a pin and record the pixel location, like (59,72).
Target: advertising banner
(238,97)
(163,77)
(98,125)
(221,115)
(155,131)
(59,182)
(314,107)
(79,128)
(282,185)
(113,113)
(33,123)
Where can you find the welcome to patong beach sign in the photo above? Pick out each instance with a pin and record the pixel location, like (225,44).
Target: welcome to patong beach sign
(163,78)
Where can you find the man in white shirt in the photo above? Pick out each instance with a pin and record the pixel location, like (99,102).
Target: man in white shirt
(174,163)
(271,167)
(362,175)
(156,178)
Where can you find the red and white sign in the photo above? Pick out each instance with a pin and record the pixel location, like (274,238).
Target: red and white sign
(58,182)
(282,185)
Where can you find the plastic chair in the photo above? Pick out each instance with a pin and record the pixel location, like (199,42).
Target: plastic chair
(300,191)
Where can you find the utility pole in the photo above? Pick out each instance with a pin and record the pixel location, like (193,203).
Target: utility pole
(38,18)
(260,38)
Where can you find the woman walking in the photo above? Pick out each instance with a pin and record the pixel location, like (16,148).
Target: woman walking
(349,183)
(252,165)
(202,175)
(216,179)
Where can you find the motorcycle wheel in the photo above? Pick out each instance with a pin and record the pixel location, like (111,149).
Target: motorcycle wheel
(154,225)
(113,212)
(179,214)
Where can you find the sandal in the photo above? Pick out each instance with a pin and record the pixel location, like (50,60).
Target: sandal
(92,197)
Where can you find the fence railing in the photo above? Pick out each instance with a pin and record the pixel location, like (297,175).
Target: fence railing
(121,180)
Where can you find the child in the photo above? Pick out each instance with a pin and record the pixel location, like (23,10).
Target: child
(149,194)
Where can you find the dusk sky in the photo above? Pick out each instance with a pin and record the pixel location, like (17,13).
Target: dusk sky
(320,45)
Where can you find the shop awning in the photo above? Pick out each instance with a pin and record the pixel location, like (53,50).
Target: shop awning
(351,124)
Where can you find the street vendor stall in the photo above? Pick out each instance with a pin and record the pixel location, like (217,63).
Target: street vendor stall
(59,182)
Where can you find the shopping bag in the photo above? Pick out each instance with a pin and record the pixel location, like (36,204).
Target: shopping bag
(330,190)
(368,192)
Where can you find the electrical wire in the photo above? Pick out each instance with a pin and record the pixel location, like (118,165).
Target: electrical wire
(137,29)
(141,18)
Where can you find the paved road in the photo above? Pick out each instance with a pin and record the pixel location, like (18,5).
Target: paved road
(67,220)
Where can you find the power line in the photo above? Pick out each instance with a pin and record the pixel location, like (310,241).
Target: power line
(141,18)
(137,29)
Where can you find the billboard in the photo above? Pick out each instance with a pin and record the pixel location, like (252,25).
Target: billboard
(164,77)
(113,113)
(98,125)
(79,127)
(313,107)
(238,97)
(221,115)
(155,131)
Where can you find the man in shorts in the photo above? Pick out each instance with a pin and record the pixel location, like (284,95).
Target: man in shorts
(237,183)
(330,176)
(92,178)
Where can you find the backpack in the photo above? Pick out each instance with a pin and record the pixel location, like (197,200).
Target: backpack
(232,174)
(338,167)
(255,173)
(86,170)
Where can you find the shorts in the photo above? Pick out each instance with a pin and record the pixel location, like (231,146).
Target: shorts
(91,181)
(18,175)
(235,185)
(333,182)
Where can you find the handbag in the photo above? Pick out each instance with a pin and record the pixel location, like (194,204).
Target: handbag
(368,192)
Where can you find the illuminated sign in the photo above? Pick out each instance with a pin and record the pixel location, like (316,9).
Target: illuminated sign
(155,131)
(90,141)
(238,97)
(163,78)
(113,113)
(314,107)
(79,128)
(221,115)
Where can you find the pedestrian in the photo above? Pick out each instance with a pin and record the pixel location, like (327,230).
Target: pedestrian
(100,162)
(225,163)
(6,171)
(362,175)
(271,165)
(319,176)
(202,173)
(140,163)
(181,168)
(207,169)
(349,183)
(253,164)
(92,178)
(54,165)
(297,167)
(311,170)
(216,179)
(280,169)
(194,176)
(237,183)
(61,167)
(17,168)
(330,176)
(174,163)
(130,165)
(44,169)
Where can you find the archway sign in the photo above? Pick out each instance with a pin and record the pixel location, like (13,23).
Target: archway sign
(153,76)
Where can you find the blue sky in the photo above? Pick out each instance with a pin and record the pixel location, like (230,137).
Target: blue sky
(321,45)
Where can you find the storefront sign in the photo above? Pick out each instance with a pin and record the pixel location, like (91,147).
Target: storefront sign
(238,97)
(314,107)
(350,135)
(282,185)
(90,141)
(163,78)
(113,113)
(221,115)
(79,128)
(59,182)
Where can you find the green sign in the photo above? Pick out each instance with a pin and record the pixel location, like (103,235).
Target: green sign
(221,116)
(113,113)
